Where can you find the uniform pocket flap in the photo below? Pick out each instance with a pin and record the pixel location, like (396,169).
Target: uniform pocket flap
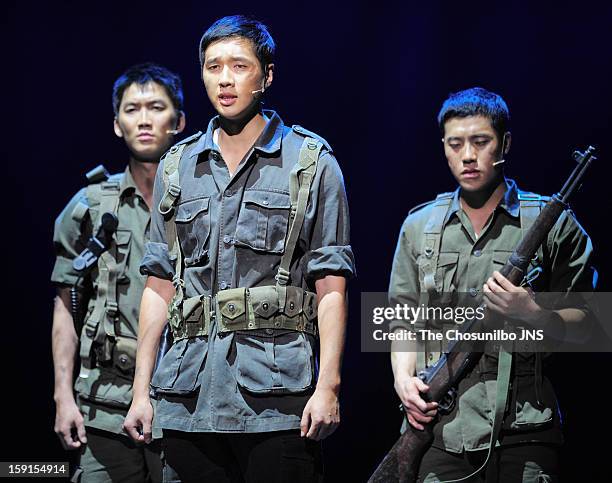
(448,258)
(500,257)
(267,199)
(178,372)
(264,301)
(123,237)
(232,303)
(188,210)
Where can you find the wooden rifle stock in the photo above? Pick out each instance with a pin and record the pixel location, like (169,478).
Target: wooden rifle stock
(402,462)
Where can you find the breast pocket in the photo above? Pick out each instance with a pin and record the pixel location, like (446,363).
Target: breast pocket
(263,219)
(193,230)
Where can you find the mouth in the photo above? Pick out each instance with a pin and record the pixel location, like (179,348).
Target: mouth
(145,136)
(226,99)
(470,173)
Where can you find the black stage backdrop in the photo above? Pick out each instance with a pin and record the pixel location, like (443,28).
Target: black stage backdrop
(370,78)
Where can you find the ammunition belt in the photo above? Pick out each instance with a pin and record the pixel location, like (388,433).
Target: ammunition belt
(244,309)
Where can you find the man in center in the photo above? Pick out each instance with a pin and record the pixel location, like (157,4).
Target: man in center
(250,249)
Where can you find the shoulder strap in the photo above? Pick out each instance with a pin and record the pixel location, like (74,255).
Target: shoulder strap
(530,207)
(300,181)
(432,238)
(106,196)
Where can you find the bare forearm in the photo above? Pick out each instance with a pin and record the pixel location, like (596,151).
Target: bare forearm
(332,330)
(153,309)
(403,362)
(64,344)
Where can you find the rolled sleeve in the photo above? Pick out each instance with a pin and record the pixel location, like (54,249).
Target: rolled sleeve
(329,250)
(69,238)
(156,261)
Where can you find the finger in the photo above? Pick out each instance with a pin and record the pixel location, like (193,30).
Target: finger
(132,430)
(82,435)
(147,432)
(414,424)
(420,385)
(419,404)
(492,298)
(504,282)
(494,286)
(65,437)
(420,417)
(314,429)
(305,422)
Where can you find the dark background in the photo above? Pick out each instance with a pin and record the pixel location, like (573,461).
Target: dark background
(370,78)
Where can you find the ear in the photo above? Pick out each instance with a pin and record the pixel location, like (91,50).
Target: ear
(117,128)
(508,137)
(181,122)
(269,76)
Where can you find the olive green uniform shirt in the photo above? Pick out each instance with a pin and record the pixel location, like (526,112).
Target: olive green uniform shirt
(465,263)
(105,394)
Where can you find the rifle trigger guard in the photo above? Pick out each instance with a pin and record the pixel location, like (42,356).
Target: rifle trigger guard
(447,403)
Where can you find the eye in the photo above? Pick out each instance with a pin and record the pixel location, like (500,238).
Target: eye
(240,66)
(212,67)
(455,145)
(159,107)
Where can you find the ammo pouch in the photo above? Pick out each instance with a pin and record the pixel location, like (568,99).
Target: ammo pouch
(118,353)
(244,309)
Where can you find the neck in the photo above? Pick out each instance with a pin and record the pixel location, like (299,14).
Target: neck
(486,199)
(144,178)
(241,132)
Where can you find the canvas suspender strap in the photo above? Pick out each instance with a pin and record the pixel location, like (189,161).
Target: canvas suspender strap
(504,368)
(105,308)
(167,208)
(433,237)
(299,189)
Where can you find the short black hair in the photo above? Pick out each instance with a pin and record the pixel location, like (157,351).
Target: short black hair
(149,72)
(476,102)
(245,27)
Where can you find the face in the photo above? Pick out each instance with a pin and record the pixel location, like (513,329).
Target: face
(231,72)
(145,116)
(471,146)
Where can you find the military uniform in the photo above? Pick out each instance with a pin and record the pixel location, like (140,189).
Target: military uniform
(108,339)
(438,250)
(244,357)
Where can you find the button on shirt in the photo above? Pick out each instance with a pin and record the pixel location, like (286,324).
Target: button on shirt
(465,263)
(232,232)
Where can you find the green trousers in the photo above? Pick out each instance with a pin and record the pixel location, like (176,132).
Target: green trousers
(109,457)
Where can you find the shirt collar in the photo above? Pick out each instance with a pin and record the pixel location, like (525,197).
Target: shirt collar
(268,142)
(509,202)
(127,184)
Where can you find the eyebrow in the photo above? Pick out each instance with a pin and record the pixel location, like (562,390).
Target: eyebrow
(152,101)
(234,58)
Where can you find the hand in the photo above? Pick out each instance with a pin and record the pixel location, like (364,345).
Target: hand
(69,425)
(505,298)
(321,415)
(138,421)
(419,412)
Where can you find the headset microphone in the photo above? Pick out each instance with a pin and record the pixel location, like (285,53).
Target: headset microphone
(172,131)
(502,152)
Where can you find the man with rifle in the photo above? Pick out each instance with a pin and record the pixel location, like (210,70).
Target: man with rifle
(148,103)
(457,244)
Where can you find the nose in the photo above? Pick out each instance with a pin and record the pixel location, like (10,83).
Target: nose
(469,154)
(226,78)
(144,120)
